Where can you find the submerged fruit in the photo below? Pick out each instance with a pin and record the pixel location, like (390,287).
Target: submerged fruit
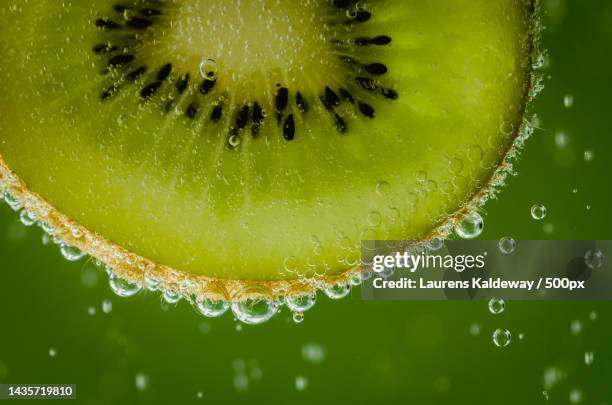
(233,147)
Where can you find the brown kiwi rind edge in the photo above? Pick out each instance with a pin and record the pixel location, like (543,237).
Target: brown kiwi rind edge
(133,267)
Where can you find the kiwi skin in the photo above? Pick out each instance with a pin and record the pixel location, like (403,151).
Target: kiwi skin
(133,267)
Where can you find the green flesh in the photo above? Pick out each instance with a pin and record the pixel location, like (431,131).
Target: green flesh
(181,192)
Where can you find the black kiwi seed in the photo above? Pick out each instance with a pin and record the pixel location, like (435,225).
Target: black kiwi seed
(242,117)
(207,86)
(301,103)
(281,101)
(376,69)
(289,128)
(390,94)
(367,110)
(164,72)
(182,84)
(104,48)
(340,123)
(331,98)
(106,24)
(150,89)
(346,95)
(120,60)
(139,23)
(258,115)
(380,40)
(192,110)
(136,74)
(215,116)
(367,84)
(362,16)
(120,8)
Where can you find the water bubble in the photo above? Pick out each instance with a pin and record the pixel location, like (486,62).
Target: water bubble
(123,287)
(548,228)
(576,327)
(211,308)
(521,336)
(298,317)
(502,337)
(301,303)
(301,383)
(107,306)
(171,296)
(47,228)
(91,310)
(545,394)
(141,381)
(52,352)
(496,305)
(575,396)
(588,155)
(471,226)
(455,165)
(313,353)
(592,315)
(561,139)
(506,245)
(27,218)
(71,253)
(208,69)
(254,311)
(568,101)
(474,329)
(200,395)
(594,259)
(589,357)
(538,212)
(234,140)
(337,291)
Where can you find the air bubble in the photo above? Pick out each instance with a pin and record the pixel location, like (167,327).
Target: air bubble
(589,357)
(374,218)
(211,308)
(301,383)
(496,305)
(52,352)
(337,291)
(561,139)
(141,381)
(171,296)
(435,244)
(576,327)
(107,306)
(568,101)
(502,337)
(455,165)
(594,259)
(298,317)
(474,329)
(506,245)
(538,212)
(123,287)
(208,69)
(91,311)
(575,396)
(234,141)
(471,226)
(151,282)
(254,311)
(382,188)
(475,153)
(313,353)
(71,253)
(588,155)
(12,202)
(301,303)
(27,218)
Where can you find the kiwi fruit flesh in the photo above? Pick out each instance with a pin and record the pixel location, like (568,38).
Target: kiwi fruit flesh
(257,141)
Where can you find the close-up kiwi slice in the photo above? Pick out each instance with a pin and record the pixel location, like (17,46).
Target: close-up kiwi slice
(243,149)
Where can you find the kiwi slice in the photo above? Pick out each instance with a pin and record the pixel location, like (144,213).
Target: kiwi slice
(246,148)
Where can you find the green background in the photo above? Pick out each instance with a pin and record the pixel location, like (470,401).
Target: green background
(374,352)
